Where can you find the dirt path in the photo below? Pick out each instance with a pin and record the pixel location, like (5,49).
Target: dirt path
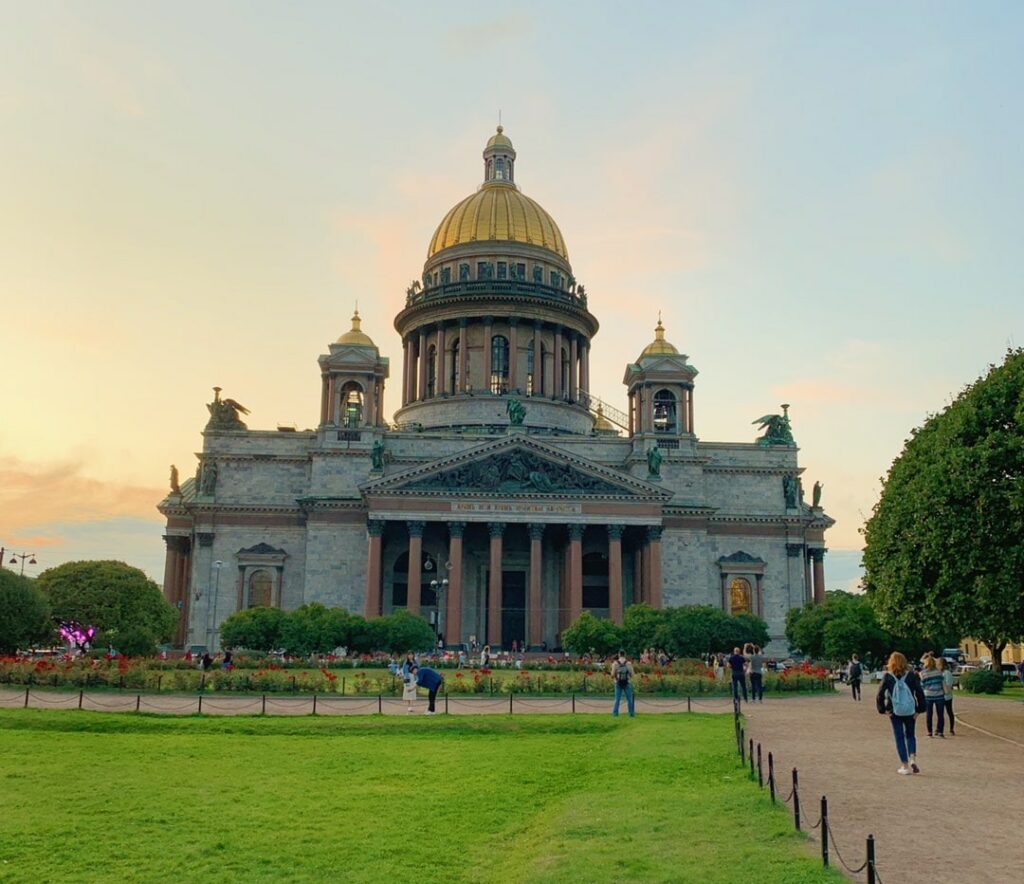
(278,704)
(954,822)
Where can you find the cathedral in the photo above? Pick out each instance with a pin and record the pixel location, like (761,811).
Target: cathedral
(503,498)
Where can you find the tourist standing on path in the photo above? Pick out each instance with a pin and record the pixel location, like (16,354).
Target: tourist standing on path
(947,693)
(428,678)
(738,663)
(755,666)
(901,698)
(485,657)
(622,675)
(853,676)
(934,689)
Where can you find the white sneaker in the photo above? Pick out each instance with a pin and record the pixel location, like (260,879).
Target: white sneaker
(903,769)
(429,712)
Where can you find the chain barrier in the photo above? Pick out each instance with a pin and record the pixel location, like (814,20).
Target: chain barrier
(293,703)
(831,837)
(487,704)
(59,701)
(162,708)
(118,705)
(346,703)
(233,708)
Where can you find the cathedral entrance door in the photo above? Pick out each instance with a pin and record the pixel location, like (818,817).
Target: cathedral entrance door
(513,607)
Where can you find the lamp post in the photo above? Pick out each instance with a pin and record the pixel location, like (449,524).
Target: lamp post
(440,587)
(14,559)
(216,595)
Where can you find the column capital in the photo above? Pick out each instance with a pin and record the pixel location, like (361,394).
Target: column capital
(375,527)
(536,530)
(416,528)
(513,321)
(456,529)
(488,320)
(654,533)
(615,531)
(576,531)
(794,549)
(463,322)
(496,529)
(817,553)
(538,324)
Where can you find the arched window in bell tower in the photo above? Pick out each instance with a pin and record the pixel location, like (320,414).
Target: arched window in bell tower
(499,364)
(431,372)
(665,412)
(530,385)
(351,404)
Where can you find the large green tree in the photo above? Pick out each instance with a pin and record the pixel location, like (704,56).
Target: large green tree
(24,614)
(112,596)
(256,629)
(592,634)
(944,550)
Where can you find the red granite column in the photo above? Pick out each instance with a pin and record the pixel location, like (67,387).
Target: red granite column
(415,565)
(645,573)
(405,371)
(575,572)
(171,590)
(573,366)
(615,573)
(818,557)
(654,544)
(423,368)
(557,364)
(494,587)
(513,354)
(373,568)
(463,357)
(538,360)
(808,585)
(488,332)
(536,630)
(441,384)
(759,592)
(689,410)
(453,615)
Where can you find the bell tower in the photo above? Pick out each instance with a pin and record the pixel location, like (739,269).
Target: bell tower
(660,390)
(353,376)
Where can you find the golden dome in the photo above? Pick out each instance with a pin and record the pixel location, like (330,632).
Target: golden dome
(498,212)
(499,140)
(659,346)
(601,423)
(355,335)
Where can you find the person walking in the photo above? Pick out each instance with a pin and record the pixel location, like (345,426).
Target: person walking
(934,695)
(755,668)
(622,675)
(901,698)
(432,680)
(947,692)
(854,674)
(738,664)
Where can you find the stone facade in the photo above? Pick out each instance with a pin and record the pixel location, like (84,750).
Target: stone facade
(506,498)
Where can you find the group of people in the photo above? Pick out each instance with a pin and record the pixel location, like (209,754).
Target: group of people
(904,694)
(415,676)
(749,663)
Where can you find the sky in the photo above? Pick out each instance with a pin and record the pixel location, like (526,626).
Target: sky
(823,199)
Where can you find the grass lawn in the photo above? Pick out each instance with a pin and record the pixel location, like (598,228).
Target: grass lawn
(91,796)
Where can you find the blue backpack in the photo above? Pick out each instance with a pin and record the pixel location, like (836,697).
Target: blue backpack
(903,698)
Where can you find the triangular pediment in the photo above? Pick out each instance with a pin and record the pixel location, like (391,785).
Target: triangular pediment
(517,467)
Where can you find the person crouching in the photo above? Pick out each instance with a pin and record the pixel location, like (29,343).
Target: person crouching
(432,680)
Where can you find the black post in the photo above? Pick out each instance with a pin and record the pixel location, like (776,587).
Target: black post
(824,831)
(688,709)
(760,772)
(199,711)
(343,685)
(743,747)
(202,681)
(771,776)
(380,705)
(573,700)
(314,704)
(80,694)
(293,684)
(159,679)
(263,708)
(796,800)
(26,697)
(871,859)
(750,755)
(510,695)
(446,702)
(138,701)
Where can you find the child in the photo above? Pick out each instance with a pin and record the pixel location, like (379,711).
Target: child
(409,690)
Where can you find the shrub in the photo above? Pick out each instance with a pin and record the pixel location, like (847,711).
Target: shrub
(982,681)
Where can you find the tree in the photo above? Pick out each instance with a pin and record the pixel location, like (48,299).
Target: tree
(943,546)
(314,629)
(588,634)
(257,629)
(24,614)
(640,625)
(403,631)
(111,596)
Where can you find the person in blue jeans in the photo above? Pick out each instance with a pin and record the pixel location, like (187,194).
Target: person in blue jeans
(934,687)
(622,675)
(738,663)
(430,679)
(898,672)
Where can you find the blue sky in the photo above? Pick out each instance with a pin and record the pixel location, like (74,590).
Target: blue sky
(823,200)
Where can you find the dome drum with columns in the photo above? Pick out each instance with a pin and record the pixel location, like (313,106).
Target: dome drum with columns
(503,498)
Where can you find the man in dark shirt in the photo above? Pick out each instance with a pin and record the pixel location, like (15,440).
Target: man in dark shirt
(737,663)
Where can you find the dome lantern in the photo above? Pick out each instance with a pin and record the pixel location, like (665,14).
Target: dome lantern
(356,335)
(499,159)
(659,346)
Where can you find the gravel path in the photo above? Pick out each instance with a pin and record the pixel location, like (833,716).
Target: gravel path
(955,822)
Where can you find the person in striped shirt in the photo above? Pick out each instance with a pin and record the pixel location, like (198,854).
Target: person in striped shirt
(933,685)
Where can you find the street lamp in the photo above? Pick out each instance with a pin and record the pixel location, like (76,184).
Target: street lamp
(14,559)
(440,587)
(216,594)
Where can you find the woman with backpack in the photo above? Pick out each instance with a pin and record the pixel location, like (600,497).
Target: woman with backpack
(853,676)
(901,698)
